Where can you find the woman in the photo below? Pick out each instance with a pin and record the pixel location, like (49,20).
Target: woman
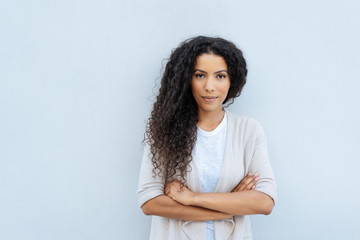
(204,169)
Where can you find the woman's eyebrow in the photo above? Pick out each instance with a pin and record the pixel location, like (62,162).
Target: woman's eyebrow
(199,70)
(221,71)
(214,72)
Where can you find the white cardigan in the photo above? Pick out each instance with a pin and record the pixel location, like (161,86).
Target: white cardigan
(246,150)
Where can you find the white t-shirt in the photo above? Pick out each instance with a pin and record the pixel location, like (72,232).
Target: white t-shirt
(208,155)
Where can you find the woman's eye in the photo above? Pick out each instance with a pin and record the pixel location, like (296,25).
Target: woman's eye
(221,76)
(198,75)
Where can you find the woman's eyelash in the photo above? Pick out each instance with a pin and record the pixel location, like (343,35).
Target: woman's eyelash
(199,75)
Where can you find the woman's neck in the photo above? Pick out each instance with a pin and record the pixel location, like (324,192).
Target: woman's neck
(208,121)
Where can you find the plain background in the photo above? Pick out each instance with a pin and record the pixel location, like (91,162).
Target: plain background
(77,82)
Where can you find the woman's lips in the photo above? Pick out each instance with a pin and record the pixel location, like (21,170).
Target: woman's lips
(209,98)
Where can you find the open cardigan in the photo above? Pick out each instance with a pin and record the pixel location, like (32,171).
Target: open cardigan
(245,151)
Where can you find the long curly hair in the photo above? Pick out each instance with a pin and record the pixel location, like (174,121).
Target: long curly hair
(171,130)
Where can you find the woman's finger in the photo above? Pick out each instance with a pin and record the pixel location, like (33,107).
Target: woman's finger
(249,175)
(251,185)
(254,180)
(248,181)
(167,188)
(242,183)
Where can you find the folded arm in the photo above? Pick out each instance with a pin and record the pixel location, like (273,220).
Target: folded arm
(237,203)
(164,206)
(234,203)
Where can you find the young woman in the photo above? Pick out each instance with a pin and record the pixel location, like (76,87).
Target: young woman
(204,169)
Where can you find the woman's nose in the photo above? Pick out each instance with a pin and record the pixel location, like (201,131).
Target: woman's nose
(209,85)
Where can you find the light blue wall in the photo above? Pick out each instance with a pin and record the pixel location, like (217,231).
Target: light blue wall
(76,87)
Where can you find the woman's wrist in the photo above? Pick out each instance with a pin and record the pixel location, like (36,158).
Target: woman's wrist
(195,199)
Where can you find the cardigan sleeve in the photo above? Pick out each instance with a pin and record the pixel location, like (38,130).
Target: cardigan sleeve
(260,163)
(150,186)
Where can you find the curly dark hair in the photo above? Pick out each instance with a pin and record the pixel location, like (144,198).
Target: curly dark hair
(171,130)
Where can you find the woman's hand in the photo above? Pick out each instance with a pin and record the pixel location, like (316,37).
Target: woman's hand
(247,183)
(179,192)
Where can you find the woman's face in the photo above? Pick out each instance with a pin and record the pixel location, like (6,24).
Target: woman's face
(210,82)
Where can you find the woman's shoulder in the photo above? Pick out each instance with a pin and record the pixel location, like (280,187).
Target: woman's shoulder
(245,127)
(242,121)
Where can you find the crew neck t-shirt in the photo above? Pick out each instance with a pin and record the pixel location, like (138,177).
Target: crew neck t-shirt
(208,155)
